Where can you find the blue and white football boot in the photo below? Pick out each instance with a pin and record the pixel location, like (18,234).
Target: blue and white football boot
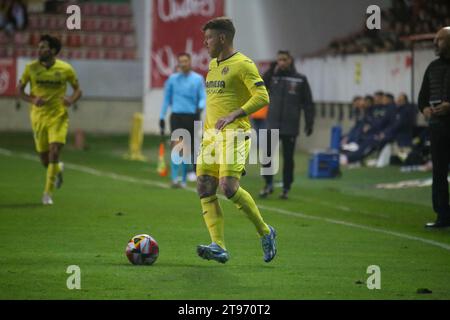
(269,245)
(213,252)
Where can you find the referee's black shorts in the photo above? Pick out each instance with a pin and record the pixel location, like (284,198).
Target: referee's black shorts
(183,121)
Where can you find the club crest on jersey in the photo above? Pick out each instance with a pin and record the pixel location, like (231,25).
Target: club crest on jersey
(225,71)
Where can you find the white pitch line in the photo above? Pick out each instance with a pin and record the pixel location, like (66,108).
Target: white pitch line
(129,179)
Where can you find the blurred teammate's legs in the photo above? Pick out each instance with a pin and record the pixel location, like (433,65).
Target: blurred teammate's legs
(49,152)
(53,167)
(288,163)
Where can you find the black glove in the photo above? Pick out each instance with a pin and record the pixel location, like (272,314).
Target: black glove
(308,130)
(162,126)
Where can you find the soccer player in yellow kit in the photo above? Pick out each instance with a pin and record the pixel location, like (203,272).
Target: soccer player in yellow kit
(234,90)
(48,78)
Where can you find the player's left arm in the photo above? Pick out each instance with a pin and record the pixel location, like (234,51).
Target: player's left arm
(77,93)
(259,96)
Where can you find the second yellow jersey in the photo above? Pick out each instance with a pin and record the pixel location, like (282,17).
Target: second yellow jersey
(49,84)
(229,86)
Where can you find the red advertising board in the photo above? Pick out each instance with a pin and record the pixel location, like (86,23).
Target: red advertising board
(177,27)
(7,77)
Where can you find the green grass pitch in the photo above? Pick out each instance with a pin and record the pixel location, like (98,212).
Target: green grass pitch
(329,232)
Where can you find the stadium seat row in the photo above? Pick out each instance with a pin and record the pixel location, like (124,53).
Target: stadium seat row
(94,24)
(86,53)
(104,9)
(74,39)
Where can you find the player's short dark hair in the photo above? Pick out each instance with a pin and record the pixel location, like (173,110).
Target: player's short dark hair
(184,54)
(379,93)
(53,42)
(223,25)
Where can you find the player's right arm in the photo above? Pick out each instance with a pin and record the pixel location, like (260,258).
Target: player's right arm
(24,80)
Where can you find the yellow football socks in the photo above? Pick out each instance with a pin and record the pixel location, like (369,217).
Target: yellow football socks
(212,213)
(52,170)
(244,202)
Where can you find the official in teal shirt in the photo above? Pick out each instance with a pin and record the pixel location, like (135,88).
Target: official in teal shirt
(184,93)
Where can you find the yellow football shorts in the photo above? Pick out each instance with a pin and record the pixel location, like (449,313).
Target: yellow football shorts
(223,154)
(48,131)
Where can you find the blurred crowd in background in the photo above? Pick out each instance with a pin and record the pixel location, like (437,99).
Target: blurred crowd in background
(403,19)
(385,122)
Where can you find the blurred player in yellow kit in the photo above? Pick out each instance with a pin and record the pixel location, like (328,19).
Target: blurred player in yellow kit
(48,78)
(234,90)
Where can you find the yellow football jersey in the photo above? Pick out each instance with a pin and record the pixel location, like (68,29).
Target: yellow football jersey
(232,84)
(49,84)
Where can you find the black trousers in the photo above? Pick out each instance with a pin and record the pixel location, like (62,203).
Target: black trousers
(185,121)
(288,143)
(440,154)
(367,146)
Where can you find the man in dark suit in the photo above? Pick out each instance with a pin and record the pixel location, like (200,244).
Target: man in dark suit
(434,103)
(290,95)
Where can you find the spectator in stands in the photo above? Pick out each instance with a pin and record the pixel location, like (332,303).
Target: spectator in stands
(359,115)
(289,94)
(13,16)
(397,136)
(380,113)
(185,93)
(401,20)
(368,103)
(19,15)
(383,116)
(6,22)
(372,137)
(396,139)
(403,122)
(434,103)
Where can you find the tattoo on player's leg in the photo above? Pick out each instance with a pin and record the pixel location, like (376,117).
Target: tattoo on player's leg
(207,186)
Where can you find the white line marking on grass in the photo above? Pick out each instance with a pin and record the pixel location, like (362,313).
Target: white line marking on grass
(359,226)
(339,207)
(5,152)
(129,179)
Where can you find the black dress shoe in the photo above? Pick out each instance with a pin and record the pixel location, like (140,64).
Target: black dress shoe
(266,191)
(284,195)
(438,224)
